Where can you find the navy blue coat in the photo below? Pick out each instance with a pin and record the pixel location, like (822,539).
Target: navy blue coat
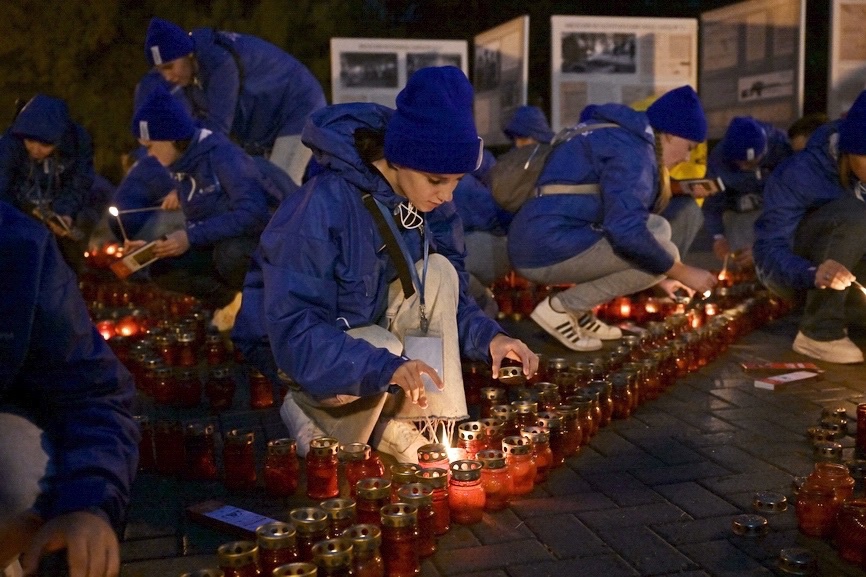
(550,229)
(475,204)
(806,181)
(320,268)
(65,178)
(56,367)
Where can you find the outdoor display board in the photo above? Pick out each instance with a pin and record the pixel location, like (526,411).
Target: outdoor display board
(752,62)
(847,74)
(376,69)
(500,76)
(599,59)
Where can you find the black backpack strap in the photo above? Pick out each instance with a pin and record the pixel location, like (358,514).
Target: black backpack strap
(229,47)
(391,244)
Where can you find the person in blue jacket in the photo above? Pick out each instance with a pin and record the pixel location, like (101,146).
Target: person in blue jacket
(810,238)
(46,165)
(68,442)
(223,196)
(485,226)
(743,159)
(240,85)
(596,221)
(324,301)
(528,126)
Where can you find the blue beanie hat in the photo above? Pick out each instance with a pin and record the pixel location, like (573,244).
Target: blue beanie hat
(166,41)
(432,129)
(162,117)
(745,139)
(679,112)
(852,128)
(529,121)
(587,112)
(43,118)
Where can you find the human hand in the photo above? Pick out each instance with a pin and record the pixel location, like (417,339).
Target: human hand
(697,279)
(743,258)
(408,377)
(671,286)
(91,545)
(58,228)
(721,248)
(503,346)
(170,202)
(133,245)
(831,274)
(173,244)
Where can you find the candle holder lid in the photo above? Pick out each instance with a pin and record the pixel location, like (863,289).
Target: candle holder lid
(827,451)
(364,536)
(418,494)
(296,570)
(333,553)
(237,553)
(466,470)
(276,535)
(399,515)
(470,431)
(308,520)
(206,572)
(769,502)
(797,561)
(373,488)
(404,472)
(818,434)
(749,525)
(434,476)
(339,508)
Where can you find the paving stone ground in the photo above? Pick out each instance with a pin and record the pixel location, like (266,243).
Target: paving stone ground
(651,495)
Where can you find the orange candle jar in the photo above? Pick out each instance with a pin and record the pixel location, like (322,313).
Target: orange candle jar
(466,494)
(359,462)
(437,480)
(851,531)
(322,480)
(540,450)
(333,557)
(198,444)
(400,540)
(521,464)
(277,546)
(239,559)
(816,510)
(471,439)
(371,495)
(420,496)
(401,473)
(366,550)
(342,514)
(311,526)
(282,469)
(496,480)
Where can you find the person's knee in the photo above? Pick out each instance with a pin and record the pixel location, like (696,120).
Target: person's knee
(661,230)
(441,273)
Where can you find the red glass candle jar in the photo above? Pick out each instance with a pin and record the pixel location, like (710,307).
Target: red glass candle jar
(508,417)
(200,453)
(187,387)
(437,480)
(311,525)
(540,450)
(359,462)
(586,417)
(146,461)
(490,397)
(371,495)
(496,479)
(525,412)
(333,557)
(835,476)
(216,352)
(239,559)
(492,432)
(652,386)
(220,389)
(601,392)
(161,384)
(816,510)
(341,513)
(278,545)
(622,395)
(851,531)
(239,460)
(366,550)
(420,496)
(571,428)
(433,456)
(548,396)
(466,497)
(166,347)
(322,480)
(150,365)
(282,469)
(521,463)
(551,423)
(401,473)
(168,447)
(400,540)
(553,367)
(471,439)
(186,353)
(261,390)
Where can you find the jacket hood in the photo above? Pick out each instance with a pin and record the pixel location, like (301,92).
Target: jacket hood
(822,146)
(202,142)
(628,118)
(330,133)
(43,118)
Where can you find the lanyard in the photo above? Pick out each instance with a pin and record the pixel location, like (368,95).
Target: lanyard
(418,282)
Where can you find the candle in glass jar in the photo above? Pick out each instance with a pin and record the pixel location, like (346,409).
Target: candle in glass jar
(371,495)
(282,469)
(239,460)
(471,439)
(400,540)
(437,479)
(342,514)
(200,453)
(433,456)
(521,463)
(239,559)
(322,480)
(496,479)
(278,545)
(466,497)
(311,525)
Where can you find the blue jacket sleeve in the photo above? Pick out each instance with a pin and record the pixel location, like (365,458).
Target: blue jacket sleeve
(83,397)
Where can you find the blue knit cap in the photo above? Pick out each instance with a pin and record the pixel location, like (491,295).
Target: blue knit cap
(529,121)
(162,117)
(852,128)
(43,118)
(679,112)
(166,41)
(432,129)
(745,139)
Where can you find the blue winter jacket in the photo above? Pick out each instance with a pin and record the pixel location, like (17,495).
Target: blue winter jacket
(250,89)
(475,204)
(64,179)
(321,268)
(805,182)
(221,190)
(146,184)
(550,229)
(739,183)
(58,369)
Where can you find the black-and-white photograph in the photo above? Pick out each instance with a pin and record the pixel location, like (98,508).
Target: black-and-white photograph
(604,52)
(416,60)
(488,66)
(368,70)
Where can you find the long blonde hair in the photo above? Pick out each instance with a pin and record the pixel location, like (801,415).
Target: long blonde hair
(664,196)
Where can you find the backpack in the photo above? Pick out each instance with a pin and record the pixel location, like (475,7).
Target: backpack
(513,177)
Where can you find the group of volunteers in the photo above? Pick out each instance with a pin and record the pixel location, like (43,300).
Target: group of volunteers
(350,249)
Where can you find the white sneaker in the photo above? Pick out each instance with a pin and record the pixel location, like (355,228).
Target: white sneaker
(563,327)
(224,318)
(301,427)
(842,351)
(591,326)
(400,439)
